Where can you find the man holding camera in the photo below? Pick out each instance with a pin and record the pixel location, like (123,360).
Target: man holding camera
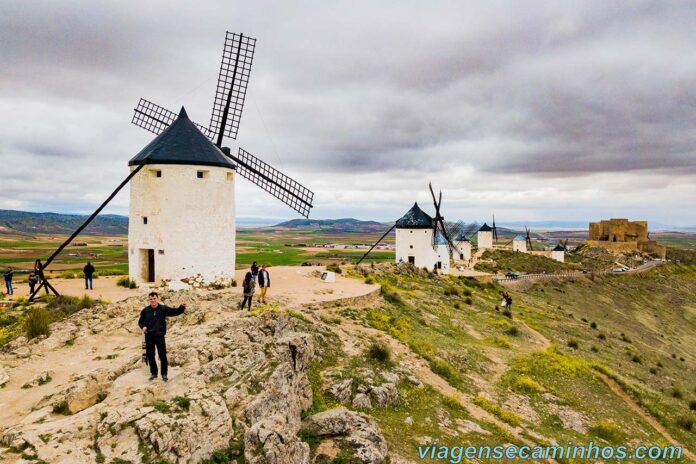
(153,323)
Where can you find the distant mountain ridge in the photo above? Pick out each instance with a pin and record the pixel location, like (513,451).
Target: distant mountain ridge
(55,223)
(333,225)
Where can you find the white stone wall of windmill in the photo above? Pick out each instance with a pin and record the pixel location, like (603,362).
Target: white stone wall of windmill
(182,224)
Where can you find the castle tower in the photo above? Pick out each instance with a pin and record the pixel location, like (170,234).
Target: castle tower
(182,213)
(485,237)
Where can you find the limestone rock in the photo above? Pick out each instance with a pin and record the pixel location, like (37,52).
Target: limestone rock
(341,390)
(4,377)
(361,400)
(360,431)
(385,395)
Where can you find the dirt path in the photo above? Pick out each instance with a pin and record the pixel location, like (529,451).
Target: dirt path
(630,402)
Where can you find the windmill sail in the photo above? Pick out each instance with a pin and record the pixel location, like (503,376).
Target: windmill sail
(235,68)
(155,119)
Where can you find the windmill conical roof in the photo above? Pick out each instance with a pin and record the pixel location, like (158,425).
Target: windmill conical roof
(182,143)
(415,218)
(558,247)
(520,238)
(461,237)
(440,239)
(485,228)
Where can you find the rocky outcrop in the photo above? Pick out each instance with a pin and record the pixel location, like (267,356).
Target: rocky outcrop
(4,377)
(236,381)
(360,432)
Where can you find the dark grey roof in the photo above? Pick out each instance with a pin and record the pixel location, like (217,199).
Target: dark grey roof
(558,247)
(460,237)
(520,238)
(440,239)
(182,143)
(415,218)
(485,228)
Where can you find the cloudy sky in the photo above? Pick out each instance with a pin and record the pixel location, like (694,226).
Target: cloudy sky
(555,110)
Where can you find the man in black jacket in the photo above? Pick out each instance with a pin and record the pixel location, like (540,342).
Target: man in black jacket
(88,270)
(264,283)
(153,323)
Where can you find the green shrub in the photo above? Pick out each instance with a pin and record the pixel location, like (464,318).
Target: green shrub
(607,431)
(37,323)
(677,393)
(594,349)
(526,384)
(457,305)
(444,370)
(126,282)
(686,422)
(391,295)
(466,292)
(494,409)
(379,352)
(692,405)
(593,325)
(507,313)
(513,331)
(61,408)
(601,336)
(333,267)
(183,402)
(502,342)
(370,280)
(160,406)
(451,291)
(101,396)
(468,301)
(636,359)
(573,344)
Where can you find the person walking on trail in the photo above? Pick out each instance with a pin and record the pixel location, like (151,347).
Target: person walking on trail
(153,323)
(8,274)
(33,279)
(248,287)
(264,283)
(254,270)
(88,270)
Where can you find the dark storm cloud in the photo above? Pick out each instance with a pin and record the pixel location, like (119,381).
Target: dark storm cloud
(536,89)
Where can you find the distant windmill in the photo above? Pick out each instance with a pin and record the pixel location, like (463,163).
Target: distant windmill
(414,223)
(228,103)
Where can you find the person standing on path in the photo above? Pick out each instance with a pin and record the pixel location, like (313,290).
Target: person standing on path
(88,270)
(254,270)
(153,323)
(264,283)
(8,274)
(248,287)
(33,279)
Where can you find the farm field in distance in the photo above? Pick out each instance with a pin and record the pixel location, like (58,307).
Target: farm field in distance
(274,246)
(108,253)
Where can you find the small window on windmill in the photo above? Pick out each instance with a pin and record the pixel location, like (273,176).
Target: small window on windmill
(411,246)
(145,220)
(201,174)
(160,252)
(155,173)
(230,176)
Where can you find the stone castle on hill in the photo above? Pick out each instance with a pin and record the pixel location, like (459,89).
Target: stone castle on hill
(623,235)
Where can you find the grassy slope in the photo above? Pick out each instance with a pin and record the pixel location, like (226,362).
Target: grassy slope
(471,345)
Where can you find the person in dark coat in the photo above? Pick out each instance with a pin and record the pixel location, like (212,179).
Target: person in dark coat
(248,288)
(33,279)
(264,283)
(88,270)
(8,274)
(153,323)
(254,270)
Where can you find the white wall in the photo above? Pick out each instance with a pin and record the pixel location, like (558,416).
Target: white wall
(463,248)
(442,256)
(417,243)
(485,239)
(558,256)
(519,245)
(191,220)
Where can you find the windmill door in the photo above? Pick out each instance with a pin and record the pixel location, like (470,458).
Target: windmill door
(411,260)
(150,265)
